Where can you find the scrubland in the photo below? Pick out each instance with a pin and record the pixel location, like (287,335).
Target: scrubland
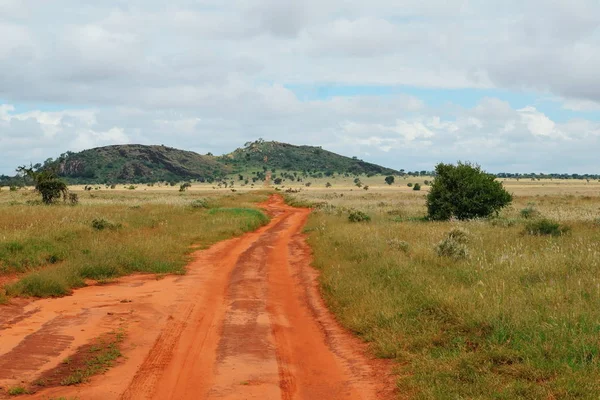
(48,250)
(483,309)
(495,313)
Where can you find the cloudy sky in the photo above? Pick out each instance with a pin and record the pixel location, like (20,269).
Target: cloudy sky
(510,84)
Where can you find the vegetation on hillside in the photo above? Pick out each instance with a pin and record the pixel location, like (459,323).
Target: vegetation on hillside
(135,164)
(147,164)
(283,156)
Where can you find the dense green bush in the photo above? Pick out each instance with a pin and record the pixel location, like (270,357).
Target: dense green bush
(47,184)
(389,179)
(464,191)
(417,187)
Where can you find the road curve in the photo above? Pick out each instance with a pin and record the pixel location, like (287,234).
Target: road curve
(246,322)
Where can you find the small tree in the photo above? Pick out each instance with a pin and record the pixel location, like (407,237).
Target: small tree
(465,191)
(417,186)
(47,184)
(389,179)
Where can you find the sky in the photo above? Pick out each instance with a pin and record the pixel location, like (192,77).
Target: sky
(510,85)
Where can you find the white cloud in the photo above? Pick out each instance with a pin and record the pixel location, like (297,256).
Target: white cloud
(209,75)
(537,123)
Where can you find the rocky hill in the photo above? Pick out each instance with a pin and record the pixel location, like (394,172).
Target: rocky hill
(140,163)
(283,156)
(137,163)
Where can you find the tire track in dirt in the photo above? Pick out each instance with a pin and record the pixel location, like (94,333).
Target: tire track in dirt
(246,322)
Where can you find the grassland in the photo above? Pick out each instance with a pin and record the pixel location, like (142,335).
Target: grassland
(49,250)
(516,317)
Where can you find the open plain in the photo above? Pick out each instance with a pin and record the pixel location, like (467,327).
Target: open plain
(211,293)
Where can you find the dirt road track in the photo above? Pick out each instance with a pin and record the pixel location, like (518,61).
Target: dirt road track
(246,322)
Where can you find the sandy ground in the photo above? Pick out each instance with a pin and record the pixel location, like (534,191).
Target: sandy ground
(246,322)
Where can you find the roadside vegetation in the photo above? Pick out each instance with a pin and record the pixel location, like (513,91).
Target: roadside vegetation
(504,307)
(51,249)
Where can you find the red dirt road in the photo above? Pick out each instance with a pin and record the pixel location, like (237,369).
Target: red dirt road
(246,322)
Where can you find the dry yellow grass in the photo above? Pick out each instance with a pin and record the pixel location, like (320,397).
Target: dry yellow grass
(52,249)
(513,317)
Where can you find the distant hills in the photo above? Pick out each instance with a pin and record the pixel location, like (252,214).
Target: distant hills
(285,156)
(144,164)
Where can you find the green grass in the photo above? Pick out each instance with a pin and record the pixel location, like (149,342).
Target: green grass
(101,356)
(514,317)
(56,248)
(17,390)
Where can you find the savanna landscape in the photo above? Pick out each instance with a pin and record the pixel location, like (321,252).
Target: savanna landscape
(267,274)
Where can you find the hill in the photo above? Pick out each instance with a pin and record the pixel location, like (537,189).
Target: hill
(143,164)
(136,163)
(283,156)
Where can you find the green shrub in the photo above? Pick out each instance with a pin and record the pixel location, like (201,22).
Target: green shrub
(17,390)
(529,212)
(47,184)
(101,224)
(358,216)
(464,191)
(545,227)
(454,245)
(183,187)
(409,184)
(460,235)
(451,248)
(417,187)
(389,179)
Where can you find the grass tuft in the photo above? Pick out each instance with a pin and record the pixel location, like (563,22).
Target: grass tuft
(17,390)
(545,227)
(358,216)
